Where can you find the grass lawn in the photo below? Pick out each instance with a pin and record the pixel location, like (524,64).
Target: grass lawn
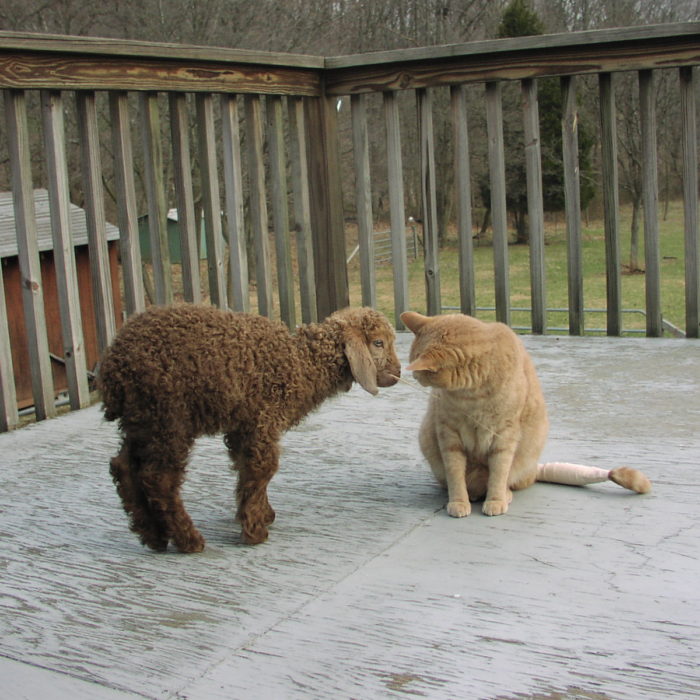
(633,285)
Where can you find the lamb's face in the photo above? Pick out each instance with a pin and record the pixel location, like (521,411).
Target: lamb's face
(369,347)
(380,344)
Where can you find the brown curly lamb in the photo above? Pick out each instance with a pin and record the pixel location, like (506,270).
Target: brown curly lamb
(175,373)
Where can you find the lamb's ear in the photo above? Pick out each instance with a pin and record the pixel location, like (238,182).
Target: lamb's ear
(413,320)
(424,362)
(361,364)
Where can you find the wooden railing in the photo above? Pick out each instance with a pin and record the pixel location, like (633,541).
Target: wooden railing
(250,142)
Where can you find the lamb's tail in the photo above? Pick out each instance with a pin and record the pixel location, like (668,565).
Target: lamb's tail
(580,475)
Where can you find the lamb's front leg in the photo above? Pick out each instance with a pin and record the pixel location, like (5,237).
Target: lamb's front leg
(256,466)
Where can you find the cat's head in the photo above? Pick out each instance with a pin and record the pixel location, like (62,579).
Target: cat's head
(439,353)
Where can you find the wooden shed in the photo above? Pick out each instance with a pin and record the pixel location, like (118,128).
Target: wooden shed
(13,291)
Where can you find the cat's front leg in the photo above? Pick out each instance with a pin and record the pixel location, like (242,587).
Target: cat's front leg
(455,460)
(498,495)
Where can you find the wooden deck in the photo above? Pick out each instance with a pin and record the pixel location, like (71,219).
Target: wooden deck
(367,588)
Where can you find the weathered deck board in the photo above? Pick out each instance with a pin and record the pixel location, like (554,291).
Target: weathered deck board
(366,588)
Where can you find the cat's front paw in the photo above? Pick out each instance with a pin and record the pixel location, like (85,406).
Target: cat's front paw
(495,506)
(459,509)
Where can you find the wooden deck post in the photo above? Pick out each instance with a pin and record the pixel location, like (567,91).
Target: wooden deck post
(326,205)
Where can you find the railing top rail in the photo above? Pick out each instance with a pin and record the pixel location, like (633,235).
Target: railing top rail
(599,51)
(53,62)
(106,47)
(599,38)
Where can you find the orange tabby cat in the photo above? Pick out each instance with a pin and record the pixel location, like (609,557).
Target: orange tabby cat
(486,422)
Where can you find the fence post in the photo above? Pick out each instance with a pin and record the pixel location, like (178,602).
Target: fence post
(326,205)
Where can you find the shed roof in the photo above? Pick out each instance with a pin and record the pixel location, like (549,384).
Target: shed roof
(8,234)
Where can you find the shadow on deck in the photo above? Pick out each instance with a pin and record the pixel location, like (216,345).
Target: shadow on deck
(366,588)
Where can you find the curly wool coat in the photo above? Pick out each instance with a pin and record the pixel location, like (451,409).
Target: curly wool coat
(175,373)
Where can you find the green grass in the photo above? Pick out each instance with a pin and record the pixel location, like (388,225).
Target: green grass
(593,256)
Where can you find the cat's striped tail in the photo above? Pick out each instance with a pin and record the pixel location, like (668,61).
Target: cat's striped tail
(580,475)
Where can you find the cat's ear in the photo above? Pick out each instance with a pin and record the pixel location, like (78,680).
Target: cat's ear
(413,320)
(424,362)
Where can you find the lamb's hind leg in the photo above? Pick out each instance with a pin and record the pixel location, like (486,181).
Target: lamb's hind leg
(160,473)
(256,463)
(162,479)
(145,523)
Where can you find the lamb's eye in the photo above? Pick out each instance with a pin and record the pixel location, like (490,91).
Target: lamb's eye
(378,343)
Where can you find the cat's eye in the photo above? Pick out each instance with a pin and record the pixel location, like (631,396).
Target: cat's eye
(378,343)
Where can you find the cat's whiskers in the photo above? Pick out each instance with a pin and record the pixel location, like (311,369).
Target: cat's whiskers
(411,384)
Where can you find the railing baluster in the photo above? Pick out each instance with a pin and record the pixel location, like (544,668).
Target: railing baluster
(397,206)
(535,207)
(190,230)
(572,196)
(126,203)
(95,219)
(258,202)
(280,209)
(690,202)
(211,200)
(497,174)
(28,251)
(155,188)
(63,251)
(302,208)
(467,285)
(9,416)
(429,201)
(233,181)
(611,203)
(363,199)
(650,188)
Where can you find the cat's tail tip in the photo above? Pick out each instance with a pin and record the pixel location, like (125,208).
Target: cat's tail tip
(631,479)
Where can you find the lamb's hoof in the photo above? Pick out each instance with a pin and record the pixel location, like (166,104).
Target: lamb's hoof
(495,507)
(193,543)
(254,535)
(459,509)
(153,541)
